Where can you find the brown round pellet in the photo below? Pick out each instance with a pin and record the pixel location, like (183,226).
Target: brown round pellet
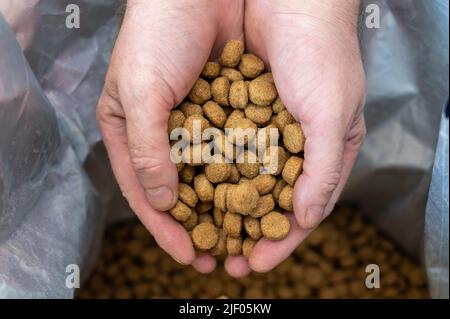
(187,195)
(243,131)
(211,70)
(261,92)
(189,108)
(264,183)
(251,66)
(277,105)
(214,113)
(232,53)
(218,216)
(278,188)
(267,76)
(260,115)
(231,74)
(218,171)
(205,236)
(275,226)
(238,96)
(292,169)
(180,211)
(203,188)
(220,89)
(275,158)
(248,165)
(176,120)
(242,198)
(264,206)
(232,224)
(234,245)
(187,174)
(285,199)
(282,119)
(247,246)
(200,92)
(191,222)
(252,227)
(293,138)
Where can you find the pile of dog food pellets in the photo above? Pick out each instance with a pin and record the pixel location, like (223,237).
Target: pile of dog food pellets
(330,263)
(237,197)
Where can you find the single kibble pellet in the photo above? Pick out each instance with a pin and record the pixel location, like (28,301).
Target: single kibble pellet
(261,92)
(234,245)
(211,70)
(264,183)
(180,211)
(187,195)
(242,198)
(189,108)
(251,66)
(238,96)
(267,76)
(214,113)
(260,115)
(247,164)
(275,226)
(292,169)
(218,216)
(176,119)
(203,188)
(277,105)
(232,53)
(265,205)
(293,138)
(187,174)
(252,227)
(205,236)
(244,131)
(278,188)
(285,199)
(218,171)
(282,119)
(247,246)
(231,74)
(192,221)
(200,92)
(232,224)
(220,89)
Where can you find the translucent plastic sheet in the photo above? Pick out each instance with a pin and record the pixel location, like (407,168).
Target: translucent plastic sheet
(50,81)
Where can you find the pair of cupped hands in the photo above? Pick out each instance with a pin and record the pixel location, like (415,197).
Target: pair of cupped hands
(313,52)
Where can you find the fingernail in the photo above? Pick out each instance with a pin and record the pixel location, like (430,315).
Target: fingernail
(313,216)
(161,198)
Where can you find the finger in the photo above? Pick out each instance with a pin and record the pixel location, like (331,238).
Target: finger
(168,233)
(205,263)
(267,254)
(237,266)
(322,169)
(351,149)
(150,151)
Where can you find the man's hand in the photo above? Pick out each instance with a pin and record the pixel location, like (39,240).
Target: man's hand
(313,51)
(160,51)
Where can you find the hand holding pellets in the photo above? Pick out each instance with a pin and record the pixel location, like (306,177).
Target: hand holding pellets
(233,200)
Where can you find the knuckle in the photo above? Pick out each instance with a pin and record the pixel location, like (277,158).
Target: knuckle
(146,165)
(329,181)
